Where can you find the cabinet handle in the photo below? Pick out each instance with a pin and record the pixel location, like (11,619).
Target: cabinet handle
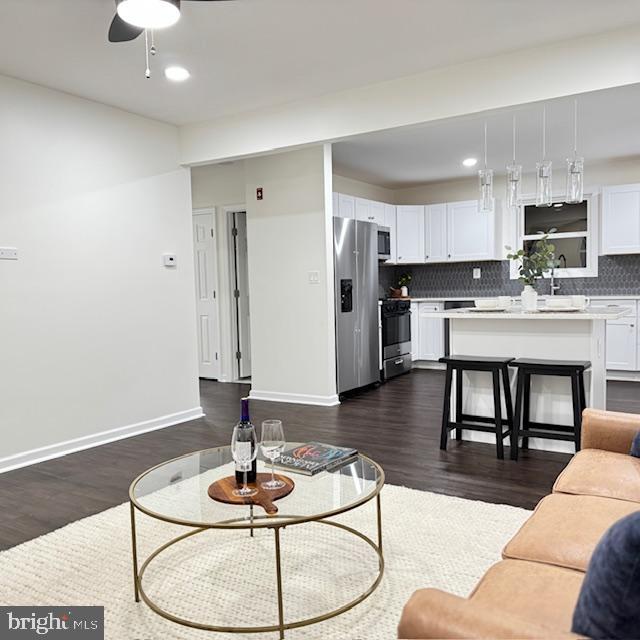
(399,257)
(449,256)
(399,361)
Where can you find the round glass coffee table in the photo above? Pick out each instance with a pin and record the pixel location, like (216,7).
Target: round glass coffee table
(176,492)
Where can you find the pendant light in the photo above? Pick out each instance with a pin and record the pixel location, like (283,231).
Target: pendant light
(514,177)
(544,194)
(575,166)
(486,202)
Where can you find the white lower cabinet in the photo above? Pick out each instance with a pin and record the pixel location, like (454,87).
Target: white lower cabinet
(622,336)
(427,332)
(430,332)
(622,340)
(414,331)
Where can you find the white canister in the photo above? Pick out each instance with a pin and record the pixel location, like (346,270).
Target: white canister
(529,297)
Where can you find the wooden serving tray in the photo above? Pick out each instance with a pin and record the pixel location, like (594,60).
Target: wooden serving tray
(222,491)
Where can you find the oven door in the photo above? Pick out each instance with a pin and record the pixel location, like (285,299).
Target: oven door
(396,328)
(384,243)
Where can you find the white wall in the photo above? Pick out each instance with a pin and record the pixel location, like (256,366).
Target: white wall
(97,335)
(361,189)
(583,64)
(289,234)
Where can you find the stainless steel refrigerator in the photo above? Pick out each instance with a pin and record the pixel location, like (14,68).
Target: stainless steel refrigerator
(355,246)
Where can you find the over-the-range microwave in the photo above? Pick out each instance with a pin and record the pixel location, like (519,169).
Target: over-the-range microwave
(384,243)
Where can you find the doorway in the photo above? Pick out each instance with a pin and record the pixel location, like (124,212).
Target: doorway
(206,272)
(239,271)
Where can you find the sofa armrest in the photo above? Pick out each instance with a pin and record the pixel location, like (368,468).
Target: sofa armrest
(609,430)
(431,613)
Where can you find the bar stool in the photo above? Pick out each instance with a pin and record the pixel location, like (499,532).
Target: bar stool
(495,366)
(522,424)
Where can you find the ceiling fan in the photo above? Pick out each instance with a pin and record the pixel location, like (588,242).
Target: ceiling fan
(134,17)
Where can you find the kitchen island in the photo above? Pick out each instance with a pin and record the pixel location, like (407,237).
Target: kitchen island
(557,335)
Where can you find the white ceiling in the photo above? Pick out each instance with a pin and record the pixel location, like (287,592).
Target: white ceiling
(250,54)
(609,127)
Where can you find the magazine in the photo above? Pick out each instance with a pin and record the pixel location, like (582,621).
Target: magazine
(313,457)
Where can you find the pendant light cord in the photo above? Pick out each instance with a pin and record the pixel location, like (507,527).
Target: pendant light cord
(514,140)
(544,133)
(485,146)
(575,128)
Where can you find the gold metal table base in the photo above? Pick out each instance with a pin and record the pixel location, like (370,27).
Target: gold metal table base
(138,573)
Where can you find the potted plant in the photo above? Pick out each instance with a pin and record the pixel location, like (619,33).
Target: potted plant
(532,266)
(403,283)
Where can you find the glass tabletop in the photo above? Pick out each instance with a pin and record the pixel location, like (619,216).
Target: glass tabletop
(176,491)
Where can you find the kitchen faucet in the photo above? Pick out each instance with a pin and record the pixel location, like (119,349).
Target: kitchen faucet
(554,285)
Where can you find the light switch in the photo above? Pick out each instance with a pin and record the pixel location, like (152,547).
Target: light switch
(8,253)
(477,274)
(170,259)
(314,277)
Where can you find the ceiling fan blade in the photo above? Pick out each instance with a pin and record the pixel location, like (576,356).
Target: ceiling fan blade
(121,31)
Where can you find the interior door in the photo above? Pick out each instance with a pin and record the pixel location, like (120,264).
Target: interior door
(241,294)
(204,243)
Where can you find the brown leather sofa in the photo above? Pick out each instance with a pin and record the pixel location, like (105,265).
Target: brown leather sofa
(532,592)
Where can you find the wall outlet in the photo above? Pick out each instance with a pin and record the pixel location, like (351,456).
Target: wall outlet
(8,253)
(314,277)
(477,274)
(170,259)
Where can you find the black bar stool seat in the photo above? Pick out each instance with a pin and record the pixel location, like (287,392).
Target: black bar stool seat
(522,424)
(498,367)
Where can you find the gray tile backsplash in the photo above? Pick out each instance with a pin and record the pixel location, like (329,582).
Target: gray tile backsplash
(617,275)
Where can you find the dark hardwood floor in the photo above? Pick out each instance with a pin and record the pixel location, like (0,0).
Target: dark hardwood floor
(398,425)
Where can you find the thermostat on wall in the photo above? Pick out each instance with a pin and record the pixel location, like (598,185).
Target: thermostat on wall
(170,259)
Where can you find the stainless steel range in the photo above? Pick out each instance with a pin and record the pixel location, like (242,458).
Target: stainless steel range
(396,337)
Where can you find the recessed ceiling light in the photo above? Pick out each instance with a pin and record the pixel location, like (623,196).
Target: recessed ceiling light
(470,162)
(149,14)
(176,74)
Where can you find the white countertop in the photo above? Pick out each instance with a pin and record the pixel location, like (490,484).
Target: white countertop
(591,313)
(460,298)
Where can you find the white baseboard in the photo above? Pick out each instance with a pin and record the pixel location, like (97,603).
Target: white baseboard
(295,398)
(624,376)
(41,454)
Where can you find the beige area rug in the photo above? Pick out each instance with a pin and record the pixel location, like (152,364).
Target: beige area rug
(218,577)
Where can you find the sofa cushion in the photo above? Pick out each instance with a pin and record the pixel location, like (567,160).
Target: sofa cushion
(609,602)
(635,446)
(594,472)
(549,595)
(564,529)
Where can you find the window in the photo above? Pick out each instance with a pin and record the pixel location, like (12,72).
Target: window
(571,228)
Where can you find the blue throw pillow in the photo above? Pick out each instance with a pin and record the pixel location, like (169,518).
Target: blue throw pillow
(609,602)
(635,446)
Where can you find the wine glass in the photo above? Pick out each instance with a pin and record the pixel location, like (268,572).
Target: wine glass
(272,445)
(244,449)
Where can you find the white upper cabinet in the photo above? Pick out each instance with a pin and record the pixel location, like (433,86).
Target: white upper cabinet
(410,234)
(471,234)
(435,227)
(344,206)
(390,222)
(621,219)
(369,211)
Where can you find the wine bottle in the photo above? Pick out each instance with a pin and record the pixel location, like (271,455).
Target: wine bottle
(245,423)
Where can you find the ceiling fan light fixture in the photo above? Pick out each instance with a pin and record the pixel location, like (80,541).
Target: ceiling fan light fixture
(149,14)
